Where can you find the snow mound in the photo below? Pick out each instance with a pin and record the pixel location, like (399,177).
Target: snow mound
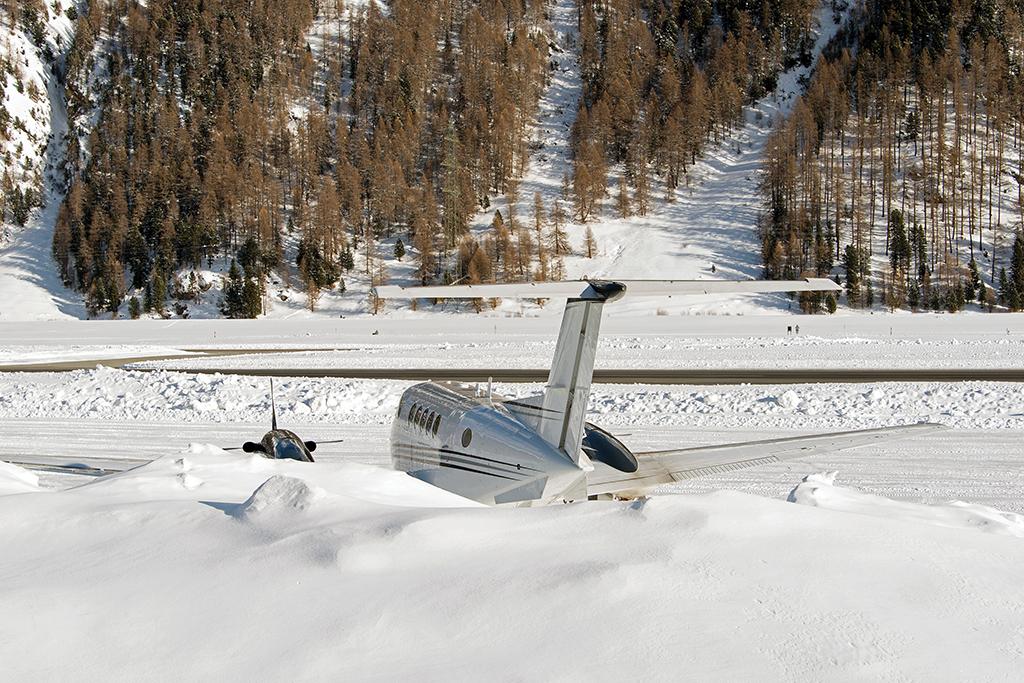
(820,490)
(789,400)
(14,479)
(280,494)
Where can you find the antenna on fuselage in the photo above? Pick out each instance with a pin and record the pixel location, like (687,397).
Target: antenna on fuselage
(273,408)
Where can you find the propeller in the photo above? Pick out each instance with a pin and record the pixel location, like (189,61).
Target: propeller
(254,447)
(273,407)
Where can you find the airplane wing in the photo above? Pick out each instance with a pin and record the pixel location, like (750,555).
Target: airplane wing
(95,467)
(664,467)
(587,289)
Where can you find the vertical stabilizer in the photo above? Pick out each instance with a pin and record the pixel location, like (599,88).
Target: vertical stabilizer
(568,389)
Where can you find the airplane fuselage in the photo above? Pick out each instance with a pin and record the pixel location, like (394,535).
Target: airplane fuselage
(447,436)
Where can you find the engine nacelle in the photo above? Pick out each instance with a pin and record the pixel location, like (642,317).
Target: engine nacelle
(601,446)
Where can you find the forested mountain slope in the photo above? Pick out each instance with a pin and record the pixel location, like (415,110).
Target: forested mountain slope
(903,163)
(242,158)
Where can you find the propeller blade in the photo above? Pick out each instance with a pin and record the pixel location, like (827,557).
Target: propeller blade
(273,407)
(321,443)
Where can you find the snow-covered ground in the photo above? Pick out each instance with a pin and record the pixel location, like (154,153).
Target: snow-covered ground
(130,395)
(210,565)
(466,340)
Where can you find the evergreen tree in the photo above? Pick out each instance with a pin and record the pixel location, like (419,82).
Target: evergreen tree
(853,265)
(1006,295)
(134,308)
(899,248)
(914,295)
(1017,264)
(346,260)
(96,299)
(158,287)
(975,275)
(232,305)
(252,300)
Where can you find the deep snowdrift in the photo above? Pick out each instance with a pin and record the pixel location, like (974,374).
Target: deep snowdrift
(820,490)
(355,572)
(14,479)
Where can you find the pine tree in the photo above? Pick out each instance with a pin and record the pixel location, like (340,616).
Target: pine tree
(158,288)
(852,264)
(1006,295)
(899,247)
(231,305)
(96,298)
(346,260)
(1017,263)
(134,308)
(914,295)
(252,299)
(976,285)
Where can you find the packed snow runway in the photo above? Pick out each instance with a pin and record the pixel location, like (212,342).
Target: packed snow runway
(892,561)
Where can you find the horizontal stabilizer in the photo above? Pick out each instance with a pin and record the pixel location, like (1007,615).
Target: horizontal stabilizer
(664,467)
(602,290)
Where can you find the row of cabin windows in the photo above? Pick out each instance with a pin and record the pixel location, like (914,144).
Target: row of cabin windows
(424,419)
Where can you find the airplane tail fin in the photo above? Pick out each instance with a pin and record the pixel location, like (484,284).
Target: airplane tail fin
(572,370)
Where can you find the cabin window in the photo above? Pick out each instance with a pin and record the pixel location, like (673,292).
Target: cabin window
(467,438)
(419,414)
(412,409)
(436,425)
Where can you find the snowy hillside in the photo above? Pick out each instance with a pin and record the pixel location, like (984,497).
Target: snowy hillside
(705,231)
(32,146)
(707,227)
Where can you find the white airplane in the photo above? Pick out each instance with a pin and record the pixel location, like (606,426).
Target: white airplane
(541,449)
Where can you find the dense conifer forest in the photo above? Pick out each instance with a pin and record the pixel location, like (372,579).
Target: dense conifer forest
(297,139)
(903,162)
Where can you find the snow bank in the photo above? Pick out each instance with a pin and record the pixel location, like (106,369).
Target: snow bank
(820,490)
(132,396)
(144,578)
(279,494)
(14,479)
